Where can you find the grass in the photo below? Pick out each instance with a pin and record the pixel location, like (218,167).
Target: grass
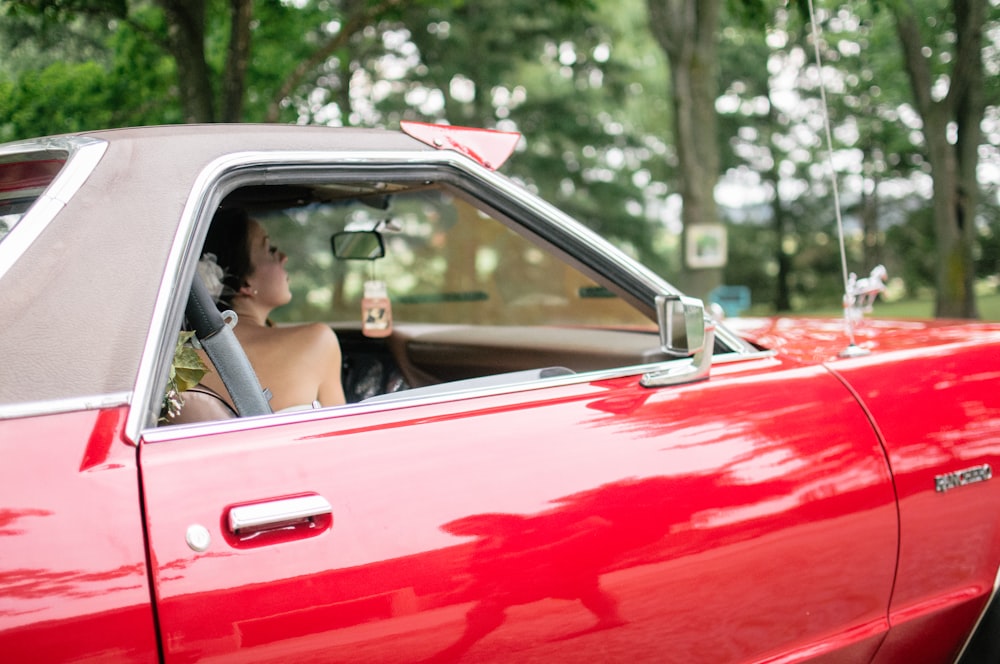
(989,308)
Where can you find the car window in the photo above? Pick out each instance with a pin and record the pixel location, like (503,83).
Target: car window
(22,181)
(469,300)
(445,262)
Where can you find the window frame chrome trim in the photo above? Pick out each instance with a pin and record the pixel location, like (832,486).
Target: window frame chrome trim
(82,156)
(68,405)
(197,429)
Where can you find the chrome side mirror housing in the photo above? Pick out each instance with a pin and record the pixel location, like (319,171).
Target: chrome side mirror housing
(684,333)
(682,324)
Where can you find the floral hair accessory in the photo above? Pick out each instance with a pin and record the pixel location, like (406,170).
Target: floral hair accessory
(211,275)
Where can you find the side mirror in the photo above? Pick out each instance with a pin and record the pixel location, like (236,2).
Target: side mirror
(682,324)
(683,334)
(358,245)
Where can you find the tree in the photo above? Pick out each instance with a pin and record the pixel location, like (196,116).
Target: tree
(609,137)
(882,160)
(945,70)
(208,47)
(550,71)
(687,30)
(758,127)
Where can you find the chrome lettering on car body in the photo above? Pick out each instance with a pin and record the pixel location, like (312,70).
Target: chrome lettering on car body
(974,475)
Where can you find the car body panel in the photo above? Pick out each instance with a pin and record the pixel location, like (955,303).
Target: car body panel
(783,508)
(498,524)
(938,412)
(74,584)
(934,399)
(814,340)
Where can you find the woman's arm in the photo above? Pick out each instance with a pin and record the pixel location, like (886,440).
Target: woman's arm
(331,391)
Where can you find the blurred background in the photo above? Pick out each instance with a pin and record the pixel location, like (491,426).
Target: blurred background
(689,132)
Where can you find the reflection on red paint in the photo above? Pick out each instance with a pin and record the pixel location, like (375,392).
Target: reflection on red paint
(73,584)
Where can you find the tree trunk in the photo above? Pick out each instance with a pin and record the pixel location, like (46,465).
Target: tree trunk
(783,293)
(783,222)
(686,31)
(872,244)
(969,110)
(953,162)
(186,37)
(237,60)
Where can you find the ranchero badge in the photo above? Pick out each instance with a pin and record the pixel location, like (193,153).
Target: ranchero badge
(959,478)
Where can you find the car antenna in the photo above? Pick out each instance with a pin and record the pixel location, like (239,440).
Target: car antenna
(859,294)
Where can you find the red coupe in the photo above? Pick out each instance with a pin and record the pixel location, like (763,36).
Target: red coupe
(547,454)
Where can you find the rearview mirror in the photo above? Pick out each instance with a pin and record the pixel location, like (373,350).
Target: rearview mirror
(682,324)
(358,245)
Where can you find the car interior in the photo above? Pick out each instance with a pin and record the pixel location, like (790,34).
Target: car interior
(471,301)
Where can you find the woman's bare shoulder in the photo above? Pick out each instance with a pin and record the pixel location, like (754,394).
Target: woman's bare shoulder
(309,337)
(306,331)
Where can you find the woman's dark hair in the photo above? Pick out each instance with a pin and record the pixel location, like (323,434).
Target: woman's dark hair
(229,239)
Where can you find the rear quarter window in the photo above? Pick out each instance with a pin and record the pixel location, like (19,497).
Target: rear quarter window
(23,178)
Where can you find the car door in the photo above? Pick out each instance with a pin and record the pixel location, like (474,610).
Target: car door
(748,517)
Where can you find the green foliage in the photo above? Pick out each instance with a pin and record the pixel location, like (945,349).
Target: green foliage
(912,245)
(988,259)
(85,76)
(555,72)
(186,371)
(583,80)
(64,97)
(61,10)
(751,260)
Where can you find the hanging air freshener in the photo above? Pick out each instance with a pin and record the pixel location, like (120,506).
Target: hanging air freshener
(376,310)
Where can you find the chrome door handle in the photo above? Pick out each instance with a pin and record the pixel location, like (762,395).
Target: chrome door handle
(276,513)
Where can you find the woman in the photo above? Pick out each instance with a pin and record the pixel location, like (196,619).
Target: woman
(299,364)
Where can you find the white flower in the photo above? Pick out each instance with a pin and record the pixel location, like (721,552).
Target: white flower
(211,275)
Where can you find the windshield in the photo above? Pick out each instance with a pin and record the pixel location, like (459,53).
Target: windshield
(445,262)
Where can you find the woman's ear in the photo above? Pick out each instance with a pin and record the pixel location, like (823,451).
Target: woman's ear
(247,290)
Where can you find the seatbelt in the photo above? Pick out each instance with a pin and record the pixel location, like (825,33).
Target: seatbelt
(226,353)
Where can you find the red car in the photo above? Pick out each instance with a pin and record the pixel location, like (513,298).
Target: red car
(548,454)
